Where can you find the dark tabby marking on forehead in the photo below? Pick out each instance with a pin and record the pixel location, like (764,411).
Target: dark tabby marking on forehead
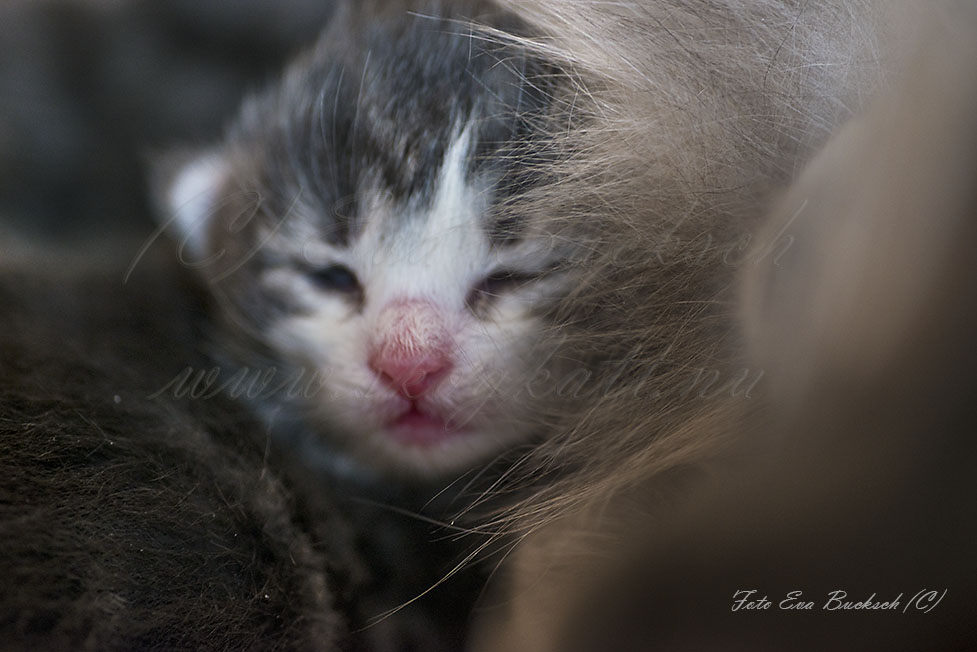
(380,116)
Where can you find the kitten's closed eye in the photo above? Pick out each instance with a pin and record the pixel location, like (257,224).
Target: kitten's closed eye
(496,284)
(336,278)
(503,280)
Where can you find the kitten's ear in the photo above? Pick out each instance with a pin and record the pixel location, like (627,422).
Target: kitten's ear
(187,186)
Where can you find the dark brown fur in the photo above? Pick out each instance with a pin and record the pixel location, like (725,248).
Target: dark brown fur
(137,523)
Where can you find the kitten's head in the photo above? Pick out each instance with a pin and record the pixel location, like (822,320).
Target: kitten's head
(360,229)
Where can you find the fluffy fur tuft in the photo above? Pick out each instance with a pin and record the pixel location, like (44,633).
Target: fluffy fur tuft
(680,120)
(852,474)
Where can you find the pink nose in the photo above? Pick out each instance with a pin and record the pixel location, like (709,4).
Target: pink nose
(411,351)
(411,376)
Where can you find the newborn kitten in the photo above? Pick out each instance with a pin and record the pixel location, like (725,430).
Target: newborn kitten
(427,248)
(356,228)
(131,520)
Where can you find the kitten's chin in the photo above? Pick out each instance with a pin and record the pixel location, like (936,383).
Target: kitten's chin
(422,429)
(428,438)
(423,445)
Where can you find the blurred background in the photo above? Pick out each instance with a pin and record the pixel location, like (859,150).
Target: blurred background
(91,90)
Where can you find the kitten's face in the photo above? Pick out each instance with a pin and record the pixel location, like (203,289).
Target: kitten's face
(354,232)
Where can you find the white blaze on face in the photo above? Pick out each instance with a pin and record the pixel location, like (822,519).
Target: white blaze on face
(436,251)
(417,263)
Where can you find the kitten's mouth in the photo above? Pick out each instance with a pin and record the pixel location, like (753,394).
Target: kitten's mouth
(419,427)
